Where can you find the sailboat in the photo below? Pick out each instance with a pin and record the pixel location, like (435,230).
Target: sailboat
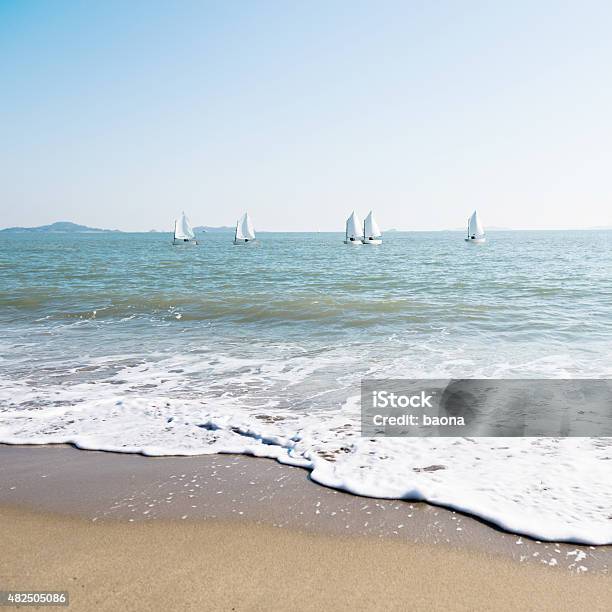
(245,234)
(371,231)
(475,231)
(353,230)
(183,232)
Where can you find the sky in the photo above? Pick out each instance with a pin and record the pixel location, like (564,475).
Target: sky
(121,114)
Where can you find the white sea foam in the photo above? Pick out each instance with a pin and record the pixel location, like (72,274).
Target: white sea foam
(303,409)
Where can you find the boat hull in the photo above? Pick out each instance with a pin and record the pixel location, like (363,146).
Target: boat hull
(238,241)
(372,241)
(176,242)
(353,242)
(476,240)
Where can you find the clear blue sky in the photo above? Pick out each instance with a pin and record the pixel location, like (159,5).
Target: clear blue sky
(121,114)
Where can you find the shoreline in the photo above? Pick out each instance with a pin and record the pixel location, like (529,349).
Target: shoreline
(105,487)
(233,532)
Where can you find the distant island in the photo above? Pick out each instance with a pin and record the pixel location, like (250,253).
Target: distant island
(199,228)
(59,227)
(67,227)
(206,228)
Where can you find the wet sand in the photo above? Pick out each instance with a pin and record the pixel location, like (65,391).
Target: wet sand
(224,531)
(175,565)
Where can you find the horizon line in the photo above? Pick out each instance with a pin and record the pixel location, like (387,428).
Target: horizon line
(221,228)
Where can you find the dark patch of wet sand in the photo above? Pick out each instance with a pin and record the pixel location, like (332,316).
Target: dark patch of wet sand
(100,486)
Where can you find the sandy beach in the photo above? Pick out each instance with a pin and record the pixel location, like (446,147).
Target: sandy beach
(174,565)
(83,522)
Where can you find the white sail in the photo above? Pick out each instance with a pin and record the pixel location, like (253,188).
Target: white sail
(370,227)
(475,226)
(182,229)
(244,228)
(353,227)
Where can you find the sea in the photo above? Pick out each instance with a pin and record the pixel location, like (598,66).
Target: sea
(122,342)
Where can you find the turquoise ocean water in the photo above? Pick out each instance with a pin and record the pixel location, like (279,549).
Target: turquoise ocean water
(124,342)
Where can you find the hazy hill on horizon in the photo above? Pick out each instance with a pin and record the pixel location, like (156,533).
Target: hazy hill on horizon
(68,227)
(64,227)
(207,228)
